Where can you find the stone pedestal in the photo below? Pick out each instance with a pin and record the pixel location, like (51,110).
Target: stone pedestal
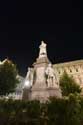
(44,94)
(40,89)
(54,92)
(39,94)
(26,94)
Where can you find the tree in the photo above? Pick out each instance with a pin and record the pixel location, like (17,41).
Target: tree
(8,77)
(64,111)
(68,85)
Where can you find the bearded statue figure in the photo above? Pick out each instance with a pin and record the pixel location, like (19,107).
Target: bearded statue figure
(51,78)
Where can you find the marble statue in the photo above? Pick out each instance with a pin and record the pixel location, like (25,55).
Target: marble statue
(42,78)
(42,52)
(51,78)
(28,73)
(29,77)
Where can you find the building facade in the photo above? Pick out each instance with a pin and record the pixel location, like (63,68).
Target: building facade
(73,68)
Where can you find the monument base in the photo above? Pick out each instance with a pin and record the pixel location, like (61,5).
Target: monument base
(26,94)
(54,92)
(43,94)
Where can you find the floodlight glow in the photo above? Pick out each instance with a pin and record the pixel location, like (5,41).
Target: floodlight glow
(27,84)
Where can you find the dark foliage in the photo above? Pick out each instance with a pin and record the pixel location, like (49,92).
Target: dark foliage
(8,77)
(68,85)
(65,111)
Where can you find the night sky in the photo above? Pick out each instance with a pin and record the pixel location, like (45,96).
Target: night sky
(24,25)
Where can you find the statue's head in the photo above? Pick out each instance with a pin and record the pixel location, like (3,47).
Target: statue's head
(28,68)
(50,65)
(43,44)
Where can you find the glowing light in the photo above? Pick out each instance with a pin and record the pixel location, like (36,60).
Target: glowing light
(27,83)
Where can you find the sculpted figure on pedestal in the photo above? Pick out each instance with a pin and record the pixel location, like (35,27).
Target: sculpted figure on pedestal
(51,78)
(29,77)
(42,52)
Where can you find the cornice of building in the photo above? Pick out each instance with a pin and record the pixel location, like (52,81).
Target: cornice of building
(70,63)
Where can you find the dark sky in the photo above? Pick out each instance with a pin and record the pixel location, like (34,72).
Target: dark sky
(24,25)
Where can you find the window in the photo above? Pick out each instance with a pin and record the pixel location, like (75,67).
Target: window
(70,70)
(76,70)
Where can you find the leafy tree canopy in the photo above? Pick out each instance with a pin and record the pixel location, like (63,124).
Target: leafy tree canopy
(8,77)
(68,85)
